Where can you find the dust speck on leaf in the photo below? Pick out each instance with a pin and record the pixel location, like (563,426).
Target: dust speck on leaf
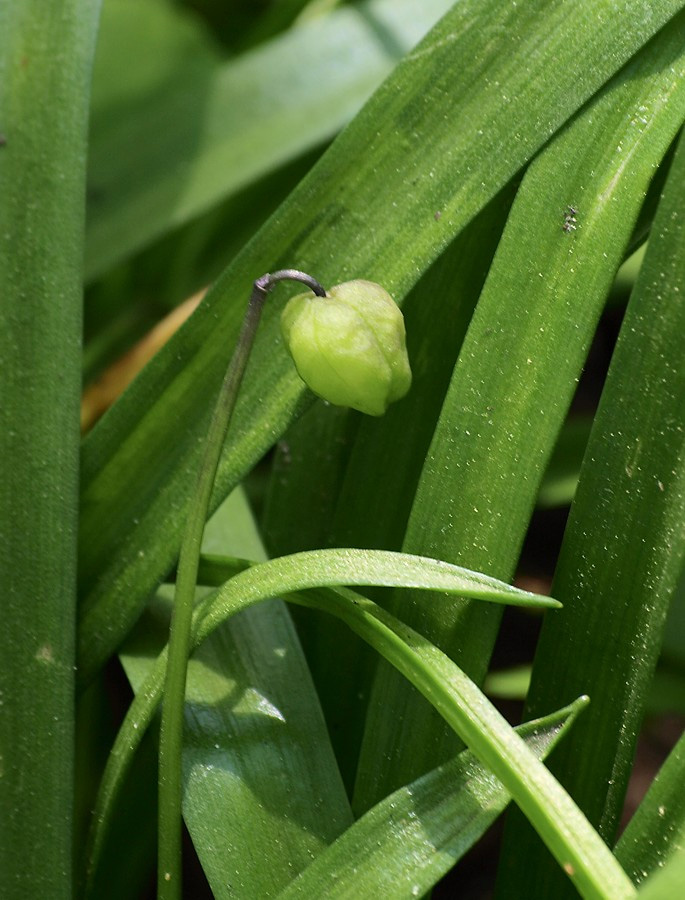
(45,654)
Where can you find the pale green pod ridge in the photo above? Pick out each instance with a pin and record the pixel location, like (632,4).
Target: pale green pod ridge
(349,347)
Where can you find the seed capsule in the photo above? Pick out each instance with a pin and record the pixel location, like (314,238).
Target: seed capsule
(349,347)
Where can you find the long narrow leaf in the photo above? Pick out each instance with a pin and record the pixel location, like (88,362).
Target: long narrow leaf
(657,828)
(516,375)
(624,546)
(577,847)
(401,847)
(45,59)
(271,579)
(437,136)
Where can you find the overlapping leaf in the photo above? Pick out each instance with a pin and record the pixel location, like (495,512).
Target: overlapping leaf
(402,846)
(625,544)
(657,828)
(438,136)
(516,375)
(258,583)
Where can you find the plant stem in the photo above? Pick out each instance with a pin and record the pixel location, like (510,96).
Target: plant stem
(171,736)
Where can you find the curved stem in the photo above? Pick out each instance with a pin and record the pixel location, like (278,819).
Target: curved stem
(171,735)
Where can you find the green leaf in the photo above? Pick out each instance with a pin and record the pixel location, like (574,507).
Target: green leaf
(46,54)
(584,856)
(445,137)
(379,568)
(181,151)
(657,828)
(402,846)
(668,882)
(624,546)
(515,379)
(366,469)
(270,579)
(248,687)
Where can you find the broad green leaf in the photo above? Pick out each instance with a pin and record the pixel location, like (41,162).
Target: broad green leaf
(271,579)
(401,847)
(624,546)
(657,828)
(516,375)
(46,55)
(156,164)
(575,845)
(437,136)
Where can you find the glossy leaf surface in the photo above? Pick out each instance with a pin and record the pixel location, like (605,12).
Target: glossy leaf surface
(632,493)
(516,375)
(446,137)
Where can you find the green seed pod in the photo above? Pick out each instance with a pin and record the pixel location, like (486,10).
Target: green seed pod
(349,346)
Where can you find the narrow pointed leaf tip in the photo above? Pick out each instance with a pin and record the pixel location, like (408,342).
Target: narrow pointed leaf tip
(349,348)
(374,568)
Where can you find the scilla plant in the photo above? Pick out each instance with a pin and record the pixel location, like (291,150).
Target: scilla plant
(266,607)
(352,353)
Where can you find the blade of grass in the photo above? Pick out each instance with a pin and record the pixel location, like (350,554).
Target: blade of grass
(408,841)
(45,59)
(515,378)
(624,546)
(657,828)
(444,131)
(376,568)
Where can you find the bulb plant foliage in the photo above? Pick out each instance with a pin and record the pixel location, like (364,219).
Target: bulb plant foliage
(508,176)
